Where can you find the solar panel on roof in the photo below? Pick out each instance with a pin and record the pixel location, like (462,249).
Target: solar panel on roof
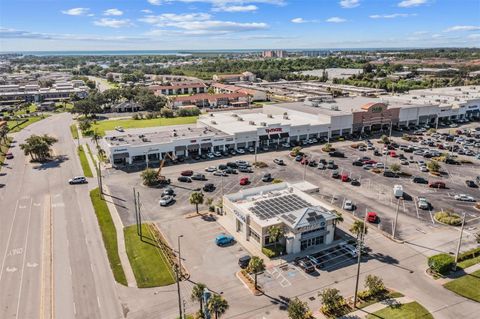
(276,206)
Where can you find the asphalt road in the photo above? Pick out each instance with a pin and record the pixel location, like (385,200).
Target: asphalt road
(37,204)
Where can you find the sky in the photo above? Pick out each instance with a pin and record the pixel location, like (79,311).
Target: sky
(57,25)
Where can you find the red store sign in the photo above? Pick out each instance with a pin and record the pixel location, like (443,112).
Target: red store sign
(273,130)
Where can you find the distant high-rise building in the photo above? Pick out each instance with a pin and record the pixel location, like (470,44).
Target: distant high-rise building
(274,54)
(315,53)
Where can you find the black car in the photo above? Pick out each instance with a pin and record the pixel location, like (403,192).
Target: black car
(232,165)
(312,163)
(377,153)
(471,184)
(222,167)
(209,187)
(185,179)
(168,192)
(305,265)
(355,182)
(231,170)
(357,163)
(419,180)
(267,177)
(336,154)
(244,261)
(388,173)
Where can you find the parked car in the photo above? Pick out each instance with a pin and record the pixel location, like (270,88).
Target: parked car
(298,158)
(437,184)
(245,169)
(198,177)
(471,183)
(336,175)
(209,187)
(389,173)
(357,163)
(423,203)
(354,182)
(185,179)
(244,181)
(230,171)
(278,161)
(217,154)
(244,261)
(168,192)
(306,265)
(240,151)
(210,155)
(220,173)
(348,205)
(222,167)
(232,165)
(321,166)
(224,240)
(187,173)
(210,169)
(398,191)
(9,155)
(419,180)
(372,217)
(267,177)
(345,177)
(78,180)
(336,154)
(166,200)
(464,198)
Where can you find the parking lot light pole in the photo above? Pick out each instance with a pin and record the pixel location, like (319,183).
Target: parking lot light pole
(179,255)
(360,239)
(304,168)
(328,136)
(396,219)
(459,243)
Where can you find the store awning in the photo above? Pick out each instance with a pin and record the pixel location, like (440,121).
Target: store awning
(180,148)
(121,156)
(193,147)
(206,145)
(274,136)
(284,134)
(263,137)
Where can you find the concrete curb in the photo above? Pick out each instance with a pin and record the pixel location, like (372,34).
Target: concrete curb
(122,250)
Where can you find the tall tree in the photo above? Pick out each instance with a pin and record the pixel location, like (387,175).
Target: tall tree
(38,146)
(217,305)
(255,266)
(196,198)
(358,228)
(331,299)
(298,309)
(197,294)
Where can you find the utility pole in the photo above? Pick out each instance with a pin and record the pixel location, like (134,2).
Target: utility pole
(179,255)
(139,204)
(136,210)
(459,243)
(100,182)
(256,147)
(360,238)
(396,218)
(178,292)
(304,167)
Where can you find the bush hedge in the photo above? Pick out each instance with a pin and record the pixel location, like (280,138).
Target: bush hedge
(273,251)
(441,263)
(469,254)
(449,218)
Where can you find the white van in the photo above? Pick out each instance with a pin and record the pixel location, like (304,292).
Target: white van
(398,191)
(349,249)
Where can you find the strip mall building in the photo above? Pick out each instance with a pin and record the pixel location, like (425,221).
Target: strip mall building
(280,123)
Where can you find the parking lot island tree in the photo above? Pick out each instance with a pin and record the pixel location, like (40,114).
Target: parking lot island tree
(255,266)
(196,198)
(433,166)
(395,168)
(217,305)
(38,147)
(298,309)
(332,300)
(149,177)
(197,294)
(375,285)
(275,234)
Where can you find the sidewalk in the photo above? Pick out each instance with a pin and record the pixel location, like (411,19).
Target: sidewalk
(364,312)
(122,251)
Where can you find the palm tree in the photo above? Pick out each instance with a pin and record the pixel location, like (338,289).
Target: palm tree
(338,218)
(96,137)
(217,305)
(197,294)
(149,177)
(196,198)
(255,266)
(275,233)
(359,229)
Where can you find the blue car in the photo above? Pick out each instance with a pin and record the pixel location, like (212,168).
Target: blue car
(223,240)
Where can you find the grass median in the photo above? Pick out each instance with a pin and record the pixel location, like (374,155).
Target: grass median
(17,126)
(467,286)
(412,310)
(84,162)
(149,263)
(109,235)
(73,129)
(109,125)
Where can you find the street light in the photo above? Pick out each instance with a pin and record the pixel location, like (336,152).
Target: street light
(179,275)
(179,254)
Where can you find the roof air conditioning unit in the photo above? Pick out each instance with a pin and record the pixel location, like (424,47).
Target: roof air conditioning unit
(251,122)
(240,119)
(211,114)
(285,117)
(213,122)
(263,124)
(270,116)
(235,115)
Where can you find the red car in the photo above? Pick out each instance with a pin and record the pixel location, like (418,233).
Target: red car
(437,185)
(9,156)
(304,161)
(345,178)
(392,154)
(372,217)
(370,162)
(187,173)
(244,181)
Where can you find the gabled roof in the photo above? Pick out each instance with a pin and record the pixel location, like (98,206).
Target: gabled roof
(305,217)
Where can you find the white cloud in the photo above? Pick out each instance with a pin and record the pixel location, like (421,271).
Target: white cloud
(113,12)
(347,4)
(76,11)
(335,20)
(247,8)
(166,18)
(230,2)
(155,2)
(474,36)
(392,16)
(302,20)
(411,3)
(22,34)
(147,11)
(463,28)
(420,32)
(113,23)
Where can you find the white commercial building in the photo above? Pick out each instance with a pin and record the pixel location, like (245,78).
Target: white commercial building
(306,222)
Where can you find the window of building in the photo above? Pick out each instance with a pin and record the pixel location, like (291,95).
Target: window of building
(254,235)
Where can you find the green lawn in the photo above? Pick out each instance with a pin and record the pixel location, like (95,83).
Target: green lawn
(108,125)
(468,262)
(150,265)
(84,162)
(467,286)
(3,150)
(412,310)
(12,125)
(73,129)
(109,235)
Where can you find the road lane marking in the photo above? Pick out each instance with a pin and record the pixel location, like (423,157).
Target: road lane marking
(8,240)
(11,269)
(23,260)
(32,265)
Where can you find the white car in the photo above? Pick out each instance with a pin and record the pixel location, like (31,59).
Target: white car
(278,161)
(423,169)
(210,169)
(242,163)
(119,129)
(453,125)
(217,154)
(240,151)
(464,198)
(210,155)
(77,180)
(165,201)
(286,145)
(423,203)
(348,205)
(379,165)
